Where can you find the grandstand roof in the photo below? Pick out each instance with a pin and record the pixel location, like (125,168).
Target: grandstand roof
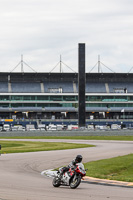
(40,77)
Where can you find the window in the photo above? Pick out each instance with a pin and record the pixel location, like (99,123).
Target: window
(4,98)
(42,98)
(69,98)
(56,98)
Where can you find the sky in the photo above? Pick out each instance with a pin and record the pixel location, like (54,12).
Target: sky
(45,30)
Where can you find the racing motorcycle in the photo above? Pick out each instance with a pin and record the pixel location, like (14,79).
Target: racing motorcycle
(70,178)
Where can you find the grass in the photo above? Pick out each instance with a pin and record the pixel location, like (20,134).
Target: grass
(24,146)
(118,168)
(123,138)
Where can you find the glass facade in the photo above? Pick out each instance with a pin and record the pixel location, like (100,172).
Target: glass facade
(64,101)
(4,98)
(38,98)
(109,98)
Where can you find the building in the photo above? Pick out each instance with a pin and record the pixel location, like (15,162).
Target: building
(54,97)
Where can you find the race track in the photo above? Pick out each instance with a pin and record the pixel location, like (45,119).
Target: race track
(21,173)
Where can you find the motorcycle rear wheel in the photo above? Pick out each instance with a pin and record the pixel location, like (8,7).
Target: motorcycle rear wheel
(56,182)
(74,183)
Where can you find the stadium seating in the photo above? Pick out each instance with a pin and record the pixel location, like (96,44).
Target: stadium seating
(26,87)
(65,87)
(3,87)
(95,87)
(118,87)
(58,87)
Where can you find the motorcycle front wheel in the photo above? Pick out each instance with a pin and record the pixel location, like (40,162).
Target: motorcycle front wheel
(75,181)
(56,182)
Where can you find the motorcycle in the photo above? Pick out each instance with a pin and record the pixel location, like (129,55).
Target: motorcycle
(70,178)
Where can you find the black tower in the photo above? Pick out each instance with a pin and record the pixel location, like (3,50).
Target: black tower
(81,85)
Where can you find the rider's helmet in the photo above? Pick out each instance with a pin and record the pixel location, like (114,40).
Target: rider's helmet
(78,158)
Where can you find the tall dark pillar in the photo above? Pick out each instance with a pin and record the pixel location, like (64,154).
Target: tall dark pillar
(81,85)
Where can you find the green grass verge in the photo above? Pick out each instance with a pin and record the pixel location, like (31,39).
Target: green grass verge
(124,138)
(118,168)
(20,147)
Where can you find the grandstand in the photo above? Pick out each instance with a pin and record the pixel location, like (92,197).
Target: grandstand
(52,97)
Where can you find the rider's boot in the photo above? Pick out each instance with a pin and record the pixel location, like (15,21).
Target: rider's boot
(60,176)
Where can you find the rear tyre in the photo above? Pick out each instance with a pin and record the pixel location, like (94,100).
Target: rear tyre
(74,183)
(56,182)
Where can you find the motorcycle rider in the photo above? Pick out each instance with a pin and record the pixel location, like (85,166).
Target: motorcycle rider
(72,164)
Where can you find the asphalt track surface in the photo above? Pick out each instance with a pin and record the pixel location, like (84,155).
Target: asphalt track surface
(20,174)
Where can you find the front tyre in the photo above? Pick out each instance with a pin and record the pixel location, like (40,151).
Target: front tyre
(75,181)
(56,182)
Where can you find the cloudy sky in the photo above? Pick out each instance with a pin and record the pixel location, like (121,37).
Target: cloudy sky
(42,30)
